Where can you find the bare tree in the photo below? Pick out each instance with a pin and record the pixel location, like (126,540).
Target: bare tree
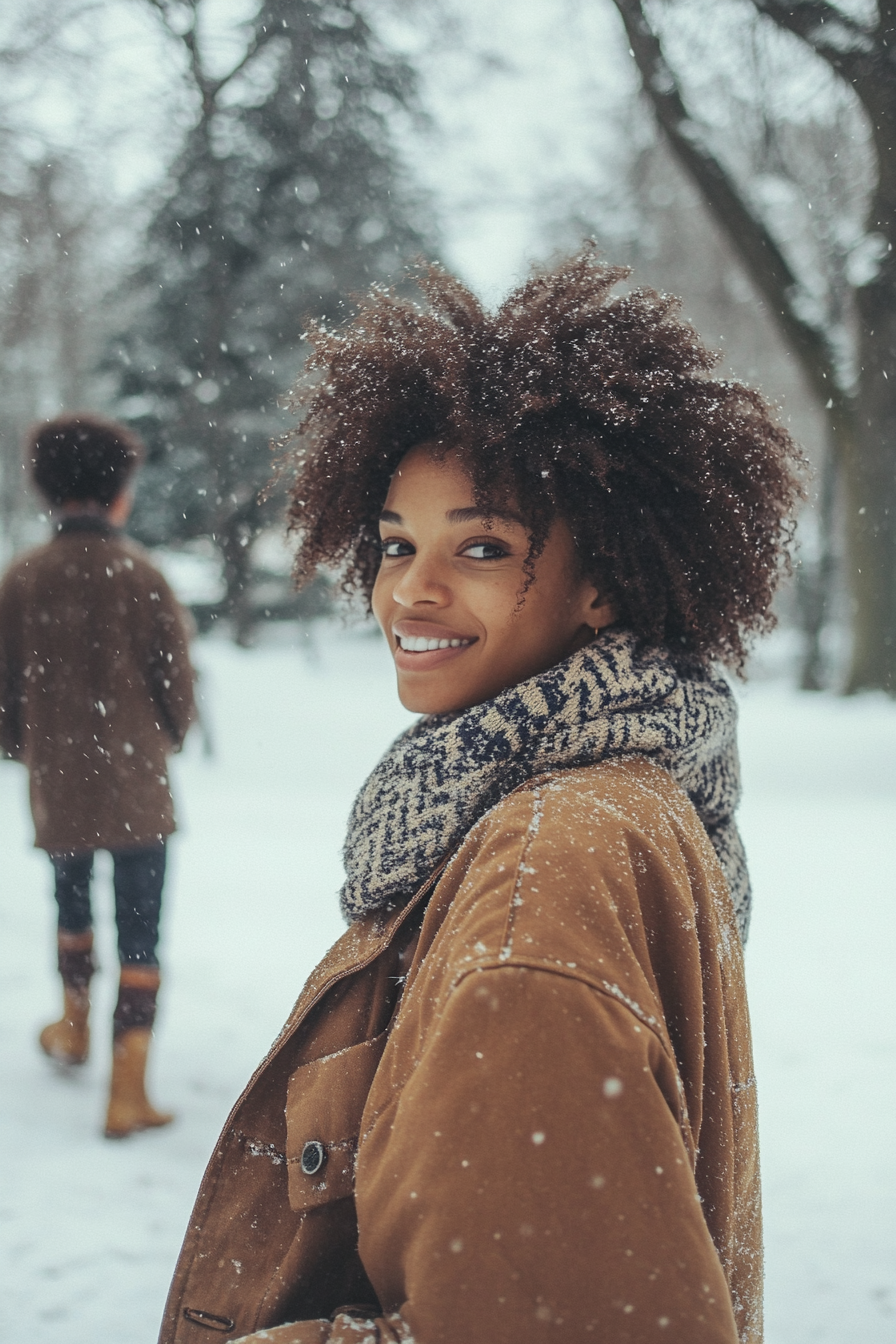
(858,394)
(48,326)
(288,193)
(46,220)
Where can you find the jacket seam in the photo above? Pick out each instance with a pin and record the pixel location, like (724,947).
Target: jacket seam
(614,995)
(520,962)
(528,838)
(602,987)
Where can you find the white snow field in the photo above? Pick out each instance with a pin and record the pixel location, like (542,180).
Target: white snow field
(90,1229)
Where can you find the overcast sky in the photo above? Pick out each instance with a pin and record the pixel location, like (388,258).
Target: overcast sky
(530,103)
(524,98)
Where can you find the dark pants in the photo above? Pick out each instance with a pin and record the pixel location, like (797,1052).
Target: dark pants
(138,878)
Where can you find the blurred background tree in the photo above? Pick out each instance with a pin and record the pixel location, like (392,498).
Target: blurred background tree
(830,284)
(287,197)
(184,182)
(48,259)
(45,324)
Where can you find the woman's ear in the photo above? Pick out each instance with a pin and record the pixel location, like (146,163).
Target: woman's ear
(596,609)
(601,612)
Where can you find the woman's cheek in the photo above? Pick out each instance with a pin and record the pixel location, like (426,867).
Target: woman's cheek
(379,605)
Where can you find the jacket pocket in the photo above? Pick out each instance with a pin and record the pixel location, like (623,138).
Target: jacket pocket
(324,1104)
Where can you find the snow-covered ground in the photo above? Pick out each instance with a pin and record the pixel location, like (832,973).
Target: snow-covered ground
(90,1229)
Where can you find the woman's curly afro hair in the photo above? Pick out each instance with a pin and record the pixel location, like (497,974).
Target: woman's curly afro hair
(566,402)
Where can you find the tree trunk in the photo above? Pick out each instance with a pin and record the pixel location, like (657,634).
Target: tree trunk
(862,426)
(234,538)
(814,581)
(869,472)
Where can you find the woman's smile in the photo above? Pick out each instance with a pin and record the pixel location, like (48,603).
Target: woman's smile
(452,596)
(420,637)
(420,645)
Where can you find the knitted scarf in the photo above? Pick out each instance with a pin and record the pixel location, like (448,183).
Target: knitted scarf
(610,699)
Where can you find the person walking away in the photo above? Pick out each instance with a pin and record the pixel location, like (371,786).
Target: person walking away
(96,690)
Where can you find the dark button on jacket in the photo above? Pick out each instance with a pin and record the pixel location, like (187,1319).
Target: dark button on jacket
(314,1155)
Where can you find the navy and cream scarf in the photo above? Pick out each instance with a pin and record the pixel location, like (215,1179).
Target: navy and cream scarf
(609,699)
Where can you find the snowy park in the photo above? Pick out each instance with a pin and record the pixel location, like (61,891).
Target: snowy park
(91,1229)
(188,190)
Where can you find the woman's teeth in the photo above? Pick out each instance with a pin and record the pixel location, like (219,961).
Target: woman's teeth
(417,644)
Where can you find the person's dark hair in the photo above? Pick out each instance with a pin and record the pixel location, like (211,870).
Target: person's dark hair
(82,457)
(566,401)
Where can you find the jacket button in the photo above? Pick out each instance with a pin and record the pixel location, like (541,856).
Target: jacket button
(314,1155)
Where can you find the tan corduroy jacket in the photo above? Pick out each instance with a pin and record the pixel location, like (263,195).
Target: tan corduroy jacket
(522,1109)
(96,688)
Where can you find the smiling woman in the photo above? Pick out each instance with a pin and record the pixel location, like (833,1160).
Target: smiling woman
(517,1096)
(447,593)
(566,403)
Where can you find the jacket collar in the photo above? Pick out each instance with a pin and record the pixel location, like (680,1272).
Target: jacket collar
(86,522)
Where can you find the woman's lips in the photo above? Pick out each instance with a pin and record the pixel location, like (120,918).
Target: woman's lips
(420,646)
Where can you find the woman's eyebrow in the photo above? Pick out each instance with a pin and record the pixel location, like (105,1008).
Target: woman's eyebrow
(474,514)
(470,515)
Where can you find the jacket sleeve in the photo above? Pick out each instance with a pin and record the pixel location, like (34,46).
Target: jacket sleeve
(10,673)
(534,1173)
(345,1327)
(171,673)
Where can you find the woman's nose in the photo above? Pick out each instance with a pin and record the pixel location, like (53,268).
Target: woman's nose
(421,582)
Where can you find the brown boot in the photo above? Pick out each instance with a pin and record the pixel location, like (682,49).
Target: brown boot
(129,1108)
(68,1040)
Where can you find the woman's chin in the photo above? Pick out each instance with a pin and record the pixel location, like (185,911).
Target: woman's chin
(436,695)
(432,700)
(428,683)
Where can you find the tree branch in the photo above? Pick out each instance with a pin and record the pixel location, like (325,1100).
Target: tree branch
(259,40)
(162,10)
(847,46)
(208,87)
(866,59)
(757,249)
(205,86)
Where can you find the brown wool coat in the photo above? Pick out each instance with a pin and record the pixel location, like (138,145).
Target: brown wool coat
(96,689)
(556,1136)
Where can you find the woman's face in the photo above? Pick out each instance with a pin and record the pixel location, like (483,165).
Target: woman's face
(448,592)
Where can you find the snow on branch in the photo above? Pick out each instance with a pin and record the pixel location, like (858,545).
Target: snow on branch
(838,39)
(181,21)
(753,243)
(865,58)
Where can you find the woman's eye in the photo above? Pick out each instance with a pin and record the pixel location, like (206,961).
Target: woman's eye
(485,550)
(394,547)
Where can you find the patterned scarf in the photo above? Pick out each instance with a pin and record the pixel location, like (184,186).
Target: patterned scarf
(609,699)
